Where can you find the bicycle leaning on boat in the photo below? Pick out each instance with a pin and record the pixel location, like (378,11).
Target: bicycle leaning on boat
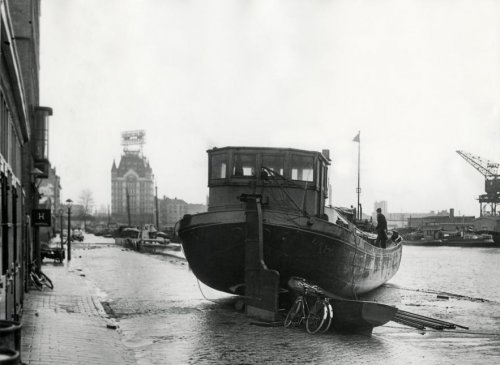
(38,279)
(317,317)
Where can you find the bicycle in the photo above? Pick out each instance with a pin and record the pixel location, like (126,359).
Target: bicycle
(38,279)
(317,318)
(320,316)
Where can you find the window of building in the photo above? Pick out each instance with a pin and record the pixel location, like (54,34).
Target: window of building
(15,152)
(10,144)
(302,168)
(4,127)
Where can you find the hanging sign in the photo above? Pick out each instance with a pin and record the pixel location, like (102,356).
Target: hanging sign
(41,217)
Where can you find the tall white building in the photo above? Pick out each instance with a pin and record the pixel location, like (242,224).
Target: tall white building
(132,183)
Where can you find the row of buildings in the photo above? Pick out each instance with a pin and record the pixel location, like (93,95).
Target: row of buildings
(444,219)
(24,160)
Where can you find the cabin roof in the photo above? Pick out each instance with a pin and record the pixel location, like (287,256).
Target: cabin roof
(268,149)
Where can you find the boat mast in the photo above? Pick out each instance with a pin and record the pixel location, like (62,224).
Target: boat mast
(358,189)
(128,207)
(156,208)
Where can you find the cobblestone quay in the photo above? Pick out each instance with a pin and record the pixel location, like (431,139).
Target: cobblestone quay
(164,316)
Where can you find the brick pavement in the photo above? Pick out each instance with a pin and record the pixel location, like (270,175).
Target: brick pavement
(68,325)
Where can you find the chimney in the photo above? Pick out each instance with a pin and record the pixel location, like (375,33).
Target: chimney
(452,213)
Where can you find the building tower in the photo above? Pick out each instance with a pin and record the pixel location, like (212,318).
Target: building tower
(382,205)
(132,183)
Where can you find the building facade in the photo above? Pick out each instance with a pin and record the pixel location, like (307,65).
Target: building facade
(23,149)
(171,211)
(444,220)
(196,208)
(132,190)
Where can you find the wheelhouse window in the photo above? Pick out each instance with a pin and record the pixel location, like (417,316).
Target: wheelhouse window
(244,165)
(325,180)
(219,166)
(274,163)
(302,168)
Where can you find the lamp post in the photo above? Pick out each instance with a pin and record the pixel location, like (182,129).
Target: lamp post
(68,202)
(61,227)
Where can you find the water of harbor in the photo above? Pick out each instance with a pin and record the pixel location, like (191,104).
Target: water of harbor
(166,317)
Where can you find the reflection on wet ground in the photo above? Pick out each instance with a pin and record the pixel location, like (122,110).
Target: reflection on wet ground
(166,317)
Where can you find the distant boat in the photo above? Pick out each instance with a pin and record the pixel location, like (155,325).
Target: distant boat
(127,236)
(470,240)
(299,239)
(140,238)
(438,237)
(489,224)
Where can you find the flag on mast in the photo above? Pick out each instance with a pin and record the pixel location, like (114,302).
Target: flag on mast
(356,139)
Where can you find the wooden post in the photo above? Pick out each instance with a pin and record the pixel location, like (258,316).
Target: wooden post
(261,284)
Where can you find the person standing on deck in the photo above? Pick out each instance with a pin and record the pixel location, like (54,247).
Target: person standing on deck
(381,229)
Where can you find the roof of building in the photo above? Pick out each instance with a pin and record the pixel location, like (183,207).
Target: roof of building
(174,201)
(133,161)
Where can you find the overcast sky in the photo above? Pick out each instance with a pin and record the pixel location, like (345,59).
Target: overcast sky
(419,79)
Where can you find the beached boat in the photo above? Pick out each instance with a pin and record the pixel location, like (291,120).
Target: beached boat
(287,188)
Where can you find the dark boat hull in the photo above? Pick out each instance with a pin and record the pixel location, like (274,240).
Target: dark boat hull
(359,316)
(322,252)
(423,242)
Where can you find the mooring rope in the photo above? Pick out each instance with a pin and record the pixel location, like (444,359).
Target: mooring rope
(204,296)
(201,291)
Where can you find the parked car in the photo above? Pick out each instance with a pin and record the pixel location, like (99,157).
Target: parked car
(52,250)
(77,235)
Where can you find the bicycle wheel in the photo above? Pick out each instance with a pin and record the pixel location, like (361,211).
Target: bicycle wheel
(316,317)
(35,281)
(294,314)
(329,318)
(44,279)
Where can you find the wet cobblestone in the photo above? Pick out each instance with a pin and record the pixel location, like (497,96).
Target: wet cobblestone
(68,325)
(164,318)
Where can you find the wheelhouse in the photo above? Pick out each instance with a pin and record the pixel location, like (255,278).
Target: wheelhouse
(286,178)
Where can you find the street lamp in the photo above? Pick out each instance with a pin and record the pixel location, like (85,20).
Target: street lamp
(61,227)
(35,175)
(68,203)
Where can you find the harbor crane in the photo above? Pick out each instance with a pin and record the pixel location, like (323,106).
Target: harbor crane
(489,170)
